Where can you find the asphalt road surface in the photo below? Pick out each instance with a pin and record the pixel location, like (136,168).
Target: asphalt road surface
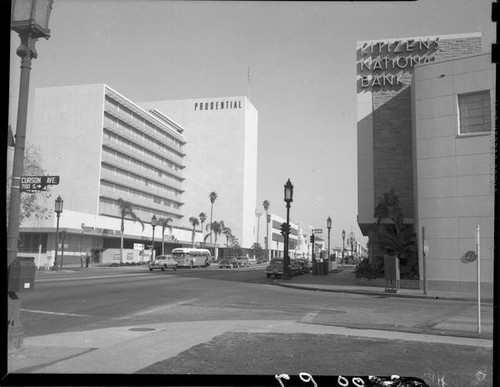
(119,297)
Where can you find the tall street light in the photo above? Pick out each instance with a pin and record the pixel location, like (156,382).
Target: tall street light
(30,19)
(58,209)
(154,222)
(343,239)
(329,227)
(288,190)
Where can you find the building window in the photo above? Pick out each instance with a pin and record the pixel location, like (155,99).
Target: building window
(474,112)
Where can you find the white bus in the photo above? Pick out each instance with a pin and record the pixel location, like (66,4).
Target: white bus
(192,257)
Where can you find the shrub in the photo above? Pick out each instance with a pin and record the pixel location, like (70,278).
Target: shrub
(365,269)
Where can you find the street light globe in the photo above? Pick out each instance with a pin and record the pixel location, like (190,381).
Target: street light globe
(59,205)
(288,191)
(329,223)
(31,16)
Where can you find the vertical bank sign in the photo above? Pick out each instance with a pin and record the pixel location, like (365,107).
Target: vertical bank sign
(387,64)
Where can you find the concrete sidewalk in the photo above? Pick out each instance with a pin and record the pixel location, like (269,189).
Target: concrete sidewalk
(344,280)
(109,350)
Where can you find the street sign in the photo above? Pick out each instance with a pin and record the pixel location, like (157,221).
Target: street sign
(318,231)
(37,183)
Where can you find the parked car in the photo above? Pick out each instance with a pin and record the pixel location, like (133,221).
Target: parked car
(275,268)
(243,261)
(228,263)
(163,262)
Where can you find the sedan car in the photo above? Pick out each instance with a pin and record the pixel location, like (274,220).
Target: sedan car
(243,261)
(229,263)
(163,262)
(275,268)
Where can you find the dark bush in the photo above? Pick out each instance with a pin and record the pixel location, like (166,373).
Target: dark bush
(365,269)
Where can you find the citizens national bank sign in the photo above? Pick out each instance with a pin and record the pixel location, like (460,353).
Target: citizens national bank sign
(385,63)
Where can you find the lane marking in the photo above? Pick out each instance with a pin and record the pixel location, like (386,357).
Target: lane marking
(159,308)
(54,313)
(93,277)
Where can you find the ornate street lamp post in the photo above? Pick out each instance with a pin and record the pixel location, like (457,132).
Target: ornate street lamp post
(30,19)
(288,190)
(329,227)
(154,222)
(58,209)
(343,240)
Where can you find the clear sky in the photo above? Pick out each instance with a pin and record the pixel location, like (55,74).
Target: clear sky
(302,60)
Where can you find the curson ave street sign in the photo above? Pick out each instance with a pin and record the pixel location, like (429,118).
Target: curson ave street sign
(37,183)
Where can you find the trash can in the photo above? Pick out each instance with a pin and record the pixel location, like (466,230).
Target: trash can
(22,274)
(326,267)
(391,273)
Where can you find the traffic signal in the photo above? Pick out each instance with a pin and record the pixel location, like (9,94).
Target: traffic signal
(283,229)
(312,238)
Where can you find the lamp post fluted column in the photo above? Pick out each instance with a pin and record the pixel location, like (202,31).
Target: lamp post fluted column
(343,240)
(153,225)
(288,188)
(58,209)
(27,52)
(30,19)
(329,227)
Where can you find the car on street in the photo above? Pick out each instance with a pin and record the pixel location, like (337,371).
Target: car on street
(243,261)
(228,263)
(163,262)
(275,268)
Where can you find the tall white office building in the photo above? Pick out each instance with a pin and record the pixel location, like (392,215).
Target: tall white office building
(221,156)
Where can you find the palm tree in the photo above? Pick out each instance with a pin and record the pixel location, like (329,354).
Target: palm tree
(194,222)
(228,234)
(217,228)
(125,209)
(266,205)
(212,197)
(203,218)
(164,223)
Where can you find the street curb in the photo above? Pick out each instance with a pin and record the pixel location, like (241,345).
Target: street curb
(382,294)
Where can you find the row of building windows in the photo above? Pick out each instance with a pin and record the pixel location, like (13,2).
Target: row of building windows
(139,180)
(143,152)
(130,194)
(111,105)
(127,160)
(140,137)
(110,207)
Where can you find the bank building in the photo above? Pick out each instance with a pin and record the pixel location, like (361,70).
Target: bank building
(425,113)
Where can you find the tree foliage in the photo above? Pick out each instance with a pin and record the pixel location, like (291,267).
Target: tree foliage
(32,204)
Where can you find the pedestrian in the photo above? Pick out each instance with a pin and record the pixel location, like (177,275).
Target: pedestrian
(48,261)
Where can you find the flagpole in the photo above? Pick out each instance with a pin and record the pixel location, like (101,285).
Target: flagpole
(248,82)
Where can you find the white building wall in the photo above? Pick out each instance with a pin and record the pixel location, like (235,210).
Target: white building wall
(221,157)
(68,130)
(454,174)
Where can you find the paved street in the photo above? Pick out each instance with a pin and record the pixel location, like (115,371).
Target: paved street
(84,321)
(136,296)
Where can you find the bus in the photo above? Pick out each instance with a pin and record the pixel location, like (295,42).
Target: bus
(192,257)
